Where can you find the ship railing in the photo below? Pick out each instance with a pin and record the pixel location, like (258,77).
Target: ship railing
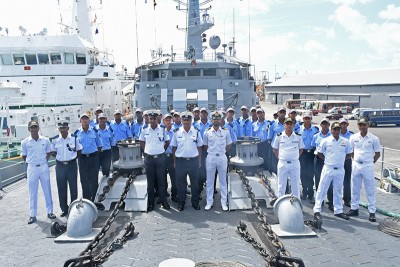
(389,160)
(46,101)
(179,54)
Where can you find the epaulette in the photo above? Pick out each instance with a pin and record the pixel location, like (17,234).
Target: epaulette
(301,123)
(224,128)
(317,132)
(95,129)
(238,120)
(298,134)
(76,132)
(175,130)
(111,129)
(208,128)
(195,127)
(351,132)
(279,134)
(52,138)
(145,126)
(74,135)
(162,126)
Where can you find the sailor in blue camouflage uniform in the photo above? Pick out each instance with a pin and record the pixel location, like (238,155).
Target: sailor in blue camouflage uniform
(275,128)
(245,126)
(217,142)
(293,114)
(307,132)
(106,135)
(35,150)
(319,162)
(186,146)
(89,160)
(95,121)
(177,121)
(260,130)
(333,150)
(230,122)
(66,148)
(169,161)
(137,124)
(202,125)
(121,132)
(347,168)
(288,147)
(154,140)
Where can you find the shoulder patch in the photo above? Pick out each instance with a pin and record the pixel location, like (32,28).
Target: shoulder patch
(351,132)
(279,134)
(298,133)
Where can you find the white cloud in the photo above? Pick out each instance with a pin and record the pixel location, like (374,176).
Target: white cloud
(314,46)
(351,2)
(383,39)
(329,33)
(391,13)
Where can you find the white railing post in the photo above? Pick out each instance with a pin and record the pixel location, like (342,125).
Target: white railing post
(382,162)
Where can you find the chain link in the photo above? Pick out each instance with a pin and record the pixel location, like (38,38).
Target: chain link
(267,184)
(272,236)
(107,188)
(86,258)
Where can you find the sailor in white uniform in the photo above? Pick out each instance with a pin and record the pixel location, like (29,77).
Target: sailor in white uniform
(217,141)
(333,150)
(366,151)
(35,150)
(288,147)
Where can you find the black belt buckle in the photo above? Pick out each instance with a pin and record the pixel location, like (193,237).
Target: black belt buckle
(87,155)
(37,165)
(335,168)
(309,151)
(155,157)
(360,162)
(168,155)
(65,162)
(188,158)
(217,155)
(289,162)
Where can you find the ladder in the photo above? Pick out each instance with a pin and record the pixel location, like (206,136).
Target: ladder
(44,90)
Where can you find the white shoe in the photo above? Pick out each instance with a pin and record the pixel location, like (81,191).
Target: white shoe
(208,207)
(224,207)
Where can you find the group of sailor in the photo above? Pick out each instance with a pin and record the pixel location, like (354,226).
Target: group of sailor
(189,144)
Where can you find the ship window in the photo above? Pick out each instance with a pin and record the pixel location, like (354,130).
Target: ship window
(19,59)
(6,59)
(55,58)
(80,58)
(43,59)
(69,58)
(193,72)
(31,59)
(178,73)
(209,72)
(234,73)
(164,73)
(223,72)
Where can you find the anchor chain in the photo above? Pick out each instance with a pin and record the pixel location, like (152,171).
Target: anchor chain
(86,258)
(281,252)
(267,184)
(110,184)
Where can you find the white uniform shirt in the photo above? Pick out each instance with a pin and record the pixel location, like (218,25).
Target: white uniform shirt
(186,143)
(288,146)
(35,151)
(154,139)
(66,148)
(335,151)
(217,140)
(365,147)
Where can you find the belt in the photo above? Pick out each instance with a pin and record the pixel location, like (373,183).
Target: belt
(155,156)
(215,154)
(36,165)
(168,155)
(287,161)
(65,162)
(89,155)
(309,151)
(335,168)
(187,158)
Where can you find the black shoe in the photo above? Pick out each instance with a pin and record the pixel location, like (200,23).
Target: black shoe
(372,217)
(347,203)
(181,207)
(196,206)
(215,191)
(31,220)
(63,214)
(200,197)
(174,199)
(317,222)
(342,215)
(150,207)
(352,213)
(165,205)
(331,207)
(188,192)
(51,216)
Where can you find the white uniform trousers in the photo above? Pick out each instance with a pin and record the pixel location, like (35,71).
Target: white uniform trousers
(336,176)
(363,173)
(289,168)
(34,174)
(219,163)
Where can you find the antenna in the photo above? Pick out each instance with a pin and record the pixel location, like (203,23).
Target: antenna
(137,38)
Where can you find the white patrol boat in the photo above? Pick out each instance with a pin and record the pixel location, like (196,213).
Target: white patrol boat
(201,76)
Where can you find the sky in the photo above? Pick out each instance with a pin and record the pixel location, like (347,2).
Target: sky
(286,37)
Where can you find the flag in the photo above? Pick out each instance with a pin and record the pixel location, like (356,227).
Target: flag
(7,31)
(154,3)
(97,31)
(95,18)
